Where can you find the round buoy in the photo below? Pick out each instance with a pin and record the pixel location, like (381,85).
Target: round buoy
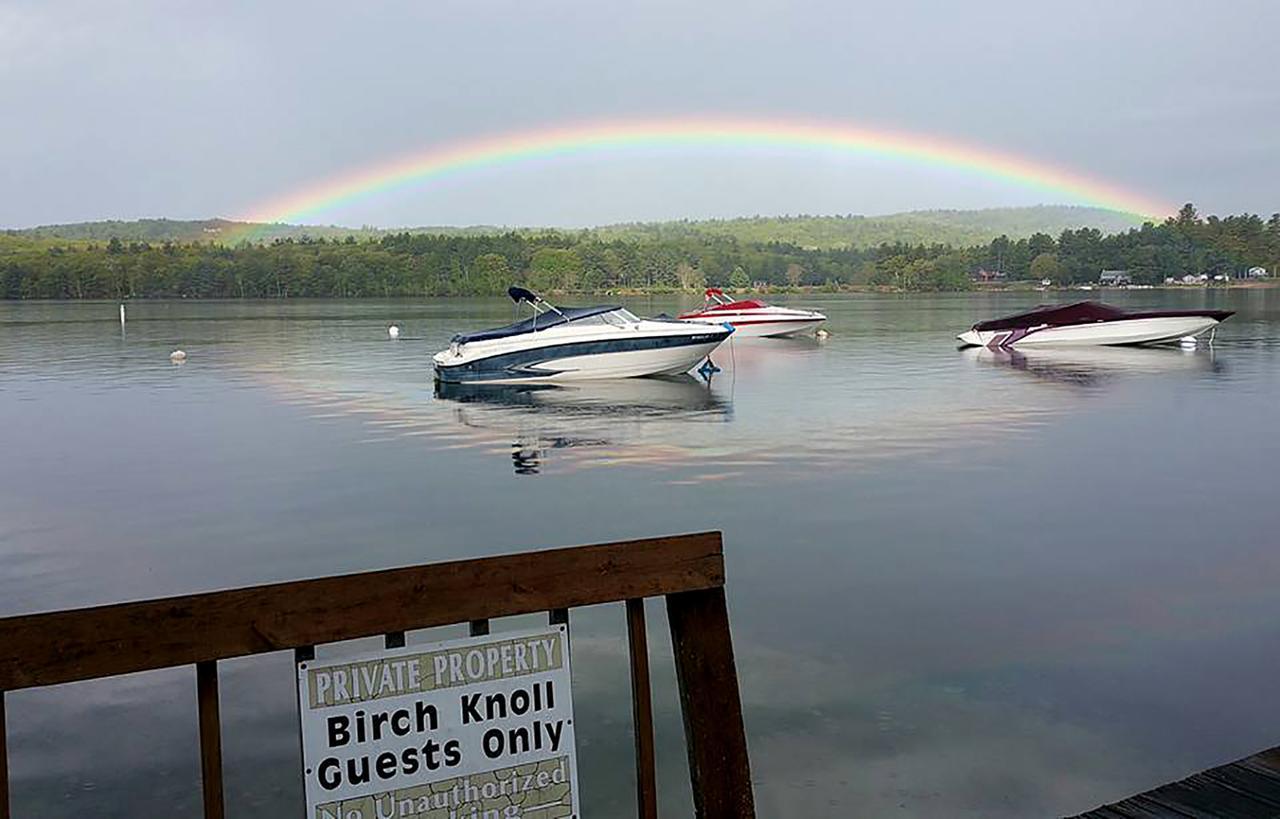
(1188,341)
(393,331)
(177,356)
(823,333)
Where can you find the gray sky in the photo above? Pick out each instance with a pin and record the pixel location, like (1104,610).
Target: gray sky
(186,110)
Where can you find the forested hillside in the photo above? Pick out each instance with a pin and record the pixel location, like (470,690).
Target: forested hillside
(408,264)
(954,227)
(962,228)
(181,230)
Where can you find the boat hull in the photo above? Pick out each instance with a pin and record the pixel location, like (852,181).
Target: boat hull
(584,360)
(769,328)
(1153,330)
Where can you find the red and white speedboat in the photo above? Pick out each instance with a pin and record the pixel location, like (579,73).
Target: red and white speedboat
(753,318)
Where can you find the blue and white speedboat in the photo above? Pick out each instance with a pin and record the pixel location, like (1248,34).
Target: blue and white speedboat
(575,343)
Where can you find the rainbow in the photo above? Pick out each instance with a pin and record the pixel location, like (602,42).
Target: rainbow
(439,161)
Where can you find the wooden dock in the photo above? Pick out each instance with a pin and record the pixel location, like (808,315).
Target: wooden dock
(1248,788)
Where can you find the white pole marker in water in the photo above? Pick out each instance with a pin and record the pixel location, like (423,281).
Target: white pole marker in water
(122,312)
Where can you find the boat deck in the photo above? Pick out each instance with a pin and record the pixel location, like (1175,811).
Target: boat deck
(1248,788)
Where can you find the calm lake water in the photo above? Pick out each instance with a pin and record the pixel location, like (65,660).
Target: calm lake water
(961,584)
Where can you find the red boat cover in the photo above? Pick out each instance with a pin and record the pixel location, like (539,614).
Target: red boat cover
(745,304)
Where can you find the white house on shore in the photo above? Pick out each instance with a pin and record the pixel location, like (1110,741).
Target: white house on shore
(1256,272)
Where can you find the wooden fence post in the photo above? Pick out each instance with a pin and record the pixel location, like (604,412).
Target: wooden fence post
(210,738)
(711,704)
(4,764)
(642,711)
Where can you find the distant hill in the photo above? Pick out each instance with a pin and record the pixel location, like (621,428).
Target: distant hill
(179,230)
(961,228)
(953,227)
(217,230)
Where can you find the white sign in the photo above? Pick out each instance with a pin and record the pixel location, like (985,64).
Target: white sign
(479,728)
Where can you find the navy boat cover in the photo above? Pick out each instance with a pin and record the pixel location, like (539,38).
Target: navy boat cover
(535,323)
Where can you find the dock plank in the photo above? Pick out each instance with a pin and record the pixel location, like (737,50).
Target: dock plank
(1248,788)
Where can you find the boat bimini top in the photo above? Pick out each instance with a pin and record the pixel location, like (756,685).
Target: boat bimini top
(546,315)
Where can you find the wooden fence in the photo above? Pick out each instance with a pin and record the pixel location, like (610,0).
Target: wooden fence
(201,629)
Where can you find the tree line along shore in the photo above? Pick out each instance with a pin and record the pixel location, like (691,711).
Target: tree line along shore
(426,264)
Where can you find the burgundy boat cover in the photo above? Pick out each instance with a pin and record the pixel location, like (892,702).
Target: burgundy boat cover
(1084,312)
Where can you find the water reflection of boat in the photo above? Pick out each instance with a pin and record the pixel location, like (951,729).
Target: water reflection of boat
(589,414)
(1092,365)
(613,398)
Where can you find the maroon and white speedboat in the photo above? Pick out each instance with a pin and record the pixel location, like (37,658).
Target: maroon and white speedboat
(753,318)
(1090,323)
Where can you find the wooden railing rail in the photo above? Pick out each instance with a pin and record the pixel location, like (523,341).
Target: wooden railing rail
(201,629)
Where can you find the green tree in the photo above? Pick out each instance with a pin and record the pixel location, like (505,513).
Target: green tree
(739,279)
(554,268)
(491,273)
(1046,266)
(690,277)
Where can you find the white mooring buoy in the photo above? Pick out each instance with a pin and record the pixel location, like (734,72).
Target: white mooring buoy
(177,356)
(1188,342)
(393,331)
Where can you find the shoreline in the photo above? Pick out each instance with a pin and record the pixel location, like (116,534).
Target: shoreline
(803,290)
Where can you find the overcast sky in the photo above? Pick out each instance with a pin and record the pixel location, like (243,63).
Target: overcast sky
(127,110)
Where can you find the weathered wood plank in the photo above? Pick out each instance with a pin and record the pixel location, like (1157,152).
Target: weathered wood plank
(59,647)
(4,763)
(1267,762)
(1264,787)
(711,703)
(210,738)
(642,712)
(1245,789)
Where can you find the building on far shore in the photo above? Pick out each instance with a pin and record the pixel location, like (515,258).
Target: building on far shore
(1256,272)
(1115,278)
(984,275)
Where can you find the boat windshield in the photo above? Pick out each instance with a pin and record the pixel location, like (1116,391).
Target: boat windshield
(552,318)
(614,318)
(620,317)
